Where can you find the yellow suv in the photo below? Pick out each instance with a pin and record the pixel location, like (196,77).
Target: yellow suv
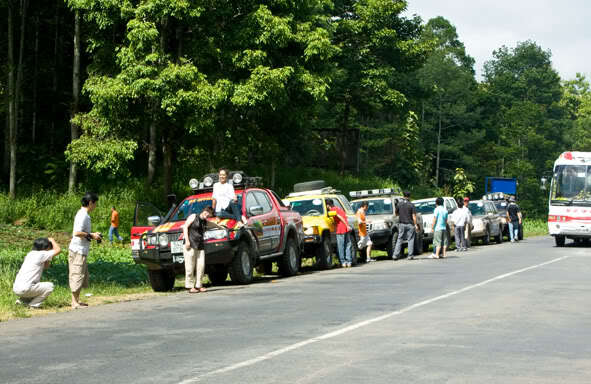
(309,199)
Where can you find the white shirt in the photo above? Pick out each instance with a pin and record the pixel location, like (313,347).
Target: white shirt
(461,216)
(223,194)
(81,224)
(31,270)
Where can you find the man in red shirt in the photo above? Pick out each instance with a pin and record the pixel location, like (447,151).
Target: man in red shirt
(344,246)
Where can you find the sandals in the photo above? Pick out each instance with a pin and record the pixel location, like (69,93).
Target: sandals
(197,290)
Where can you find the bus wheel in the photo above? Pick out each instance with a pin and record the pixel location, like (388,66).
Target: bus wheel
(559,240)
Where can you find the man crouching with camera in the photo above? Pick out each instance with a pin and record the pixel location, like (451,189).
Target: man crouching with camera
(79,248)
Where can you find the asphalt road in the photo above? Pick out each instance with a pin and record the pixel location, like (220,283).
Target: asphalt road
(508,313)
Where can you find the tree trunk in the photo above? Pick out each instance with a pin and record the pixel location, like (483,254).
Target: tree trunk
(11,104)
(74,129)
(54,87)
(343,138)
(438,146)
(167,160)
(35,75)
(20,66)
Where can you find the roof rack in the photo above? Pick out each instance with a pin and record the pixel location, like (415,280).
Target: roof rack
(375,192)
(497,196)
(321,191)
(236,178)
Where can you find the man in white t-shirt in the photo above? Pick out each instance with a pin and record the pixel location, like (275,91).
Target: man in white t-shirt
(461,218)
(27,285)
(224,200)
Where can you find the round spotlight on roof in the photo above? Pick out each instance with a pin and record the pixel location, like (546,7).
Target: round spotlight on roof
(194,183)
(208,181)
(237,178)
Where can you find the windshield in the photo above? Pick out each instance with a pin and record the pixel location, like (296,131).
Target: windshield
(571,184)
(196,205)
(375,207)
(501,206)
(425,207)
(477,209)
(312,207)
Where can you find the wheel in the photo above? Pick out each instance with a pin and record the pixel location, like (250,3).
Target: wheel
(520,233)
(354,250)
(161,280)
(309,185)
(391,246)
(324,254)
(486,238)
(289,263)
(218,274)
(418,244)
(426,244)
(241,270)
(560,240)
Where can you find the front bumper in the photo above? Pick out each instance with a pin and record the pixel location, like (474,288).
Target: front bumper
(569,229)
(380,237)
(216,252)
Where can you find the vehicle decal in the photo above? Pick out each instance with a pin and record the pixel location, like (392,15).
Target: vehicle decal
(271,230)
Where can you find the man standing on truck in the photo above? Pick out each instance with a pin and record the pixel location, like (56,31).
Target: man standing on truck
(407,227)
(514,219)
(344,246)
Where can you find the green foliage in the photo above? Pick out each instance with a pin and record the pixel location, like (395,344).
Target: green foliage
(462,185)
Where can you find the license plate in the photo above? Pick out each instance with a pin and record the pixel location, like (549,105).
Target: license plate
(176,247)
(178,259)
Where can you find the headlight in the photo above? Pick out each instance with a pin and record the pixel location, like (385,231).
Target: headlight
(311,230)
(216,234)
(478,225)
(193,183)
(152,239)
(237,178)
(163,240)
(208,181)
(379,225)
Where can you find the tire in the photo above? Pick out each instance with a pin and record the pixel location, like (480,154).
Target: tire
(324,254)
(289,263)
(391,246)
(418,245)
(241,269)
(309,185)
(354,250)
(218,274)
(559,240)
(486,238)
(520,233)
(161,280)
(426,244)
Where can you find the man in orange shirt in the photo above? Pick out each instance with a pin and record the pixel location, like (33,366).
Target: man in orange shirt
(114,229)
(364,241)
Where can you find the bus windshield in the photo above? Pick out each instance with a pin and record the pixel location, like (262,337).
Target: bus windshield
(571,185)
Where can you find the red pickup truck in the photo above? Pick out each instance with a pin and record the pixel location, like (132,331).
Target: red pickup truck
(274,233)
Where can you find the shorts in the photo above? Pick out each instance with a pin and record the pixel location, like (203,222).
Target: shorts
(440,238)
(77,271)
(363,242)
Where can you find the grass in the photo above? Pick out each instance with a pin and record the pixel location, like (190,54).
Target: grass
(535,227)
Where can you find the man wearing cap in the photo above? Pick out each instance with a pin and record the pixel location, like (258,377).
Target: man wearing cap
(407,227)
(514,219)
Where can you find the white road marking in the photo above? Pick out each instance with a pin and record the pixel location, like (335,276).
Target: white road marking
(355,326)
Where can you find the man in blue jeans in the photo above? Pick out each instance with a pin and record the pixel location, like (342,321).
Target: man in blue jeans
(344,245)
(514,219)
(407,227)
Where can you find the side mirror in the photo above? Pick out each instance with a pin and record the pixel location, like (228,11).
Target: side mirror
(171,199)
(255,210)
(543,182)
(331,214)
(154,220)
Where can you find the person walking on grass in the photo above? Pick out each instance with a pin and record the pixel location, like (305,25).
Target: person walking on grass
(439,227)
(364,241)
(27,285)
(194,250)
(407,226)
(79,248)
(114,228)
(344,246)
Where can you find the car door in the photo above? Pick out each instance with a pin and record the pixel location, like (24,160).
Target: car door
(495,220)
(261,213)
(146,216)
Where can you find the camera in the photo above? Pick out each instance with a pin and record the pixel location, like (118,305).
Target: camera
(98,241)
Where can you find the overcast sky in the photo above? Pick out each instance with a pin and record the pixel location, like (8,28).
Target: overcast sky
(563,27)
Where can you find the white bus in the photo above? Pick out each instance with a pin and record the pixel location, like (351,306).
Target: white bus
(569,206)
